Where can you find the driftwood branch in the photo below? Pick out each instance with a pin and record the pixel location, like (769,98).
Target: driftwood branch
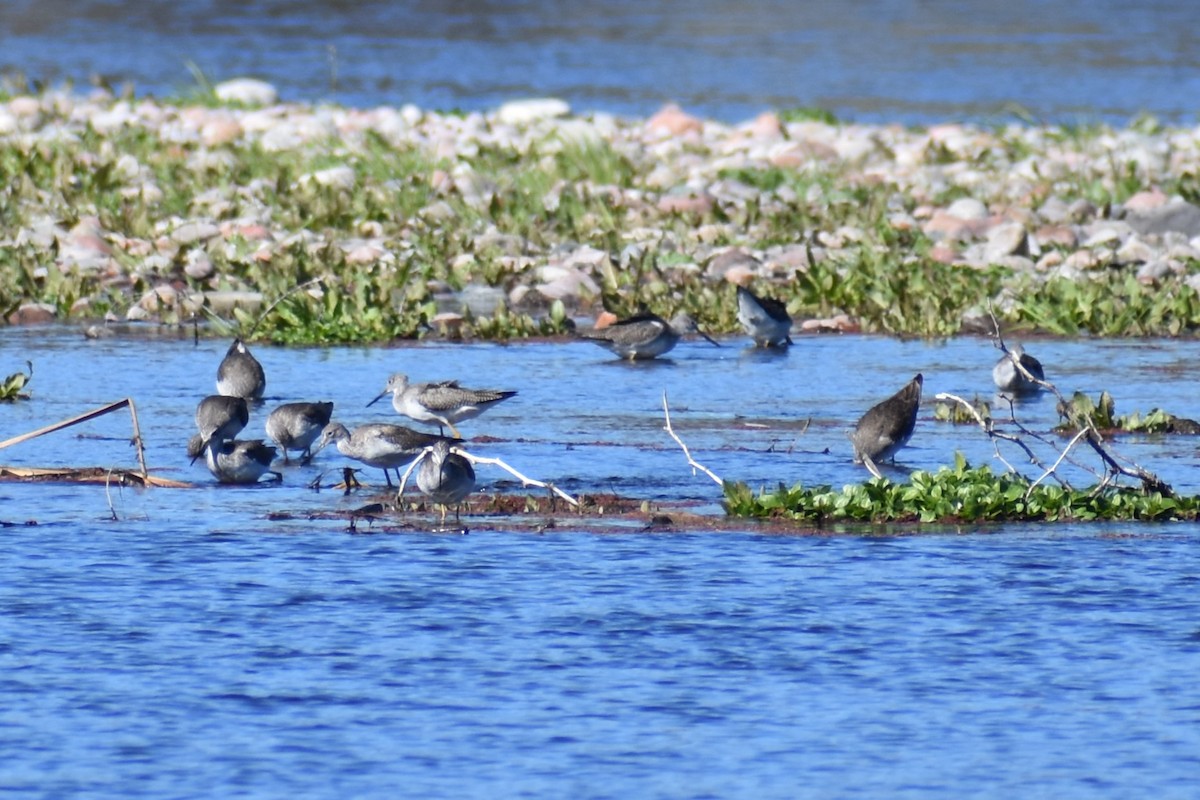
(695,465)
(90,415)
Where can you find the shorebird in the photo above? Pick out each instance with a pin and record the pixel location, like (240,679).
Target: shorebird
(218,418)
(644,335)
(447,478)
(378,444)
(764,318)
(441,404)
(1008,378)
(240,460)
(887,426)
(240,374)
(295,426)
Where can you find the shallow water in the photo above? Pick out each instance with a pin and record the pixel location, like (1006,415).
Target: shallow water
(195,647)
(871,60)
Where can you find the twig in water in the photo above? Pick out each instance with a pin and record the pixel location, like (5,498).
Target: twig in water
(474,459)
(695,465)
(1054,467)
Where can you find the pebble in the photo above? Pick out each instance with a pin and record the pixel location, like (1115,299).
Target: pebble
(685,166)
(525,112)
(250,91)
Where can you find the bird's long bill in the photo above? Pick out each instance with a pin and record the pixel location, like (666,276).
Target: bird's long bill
(381,395)
(708,338)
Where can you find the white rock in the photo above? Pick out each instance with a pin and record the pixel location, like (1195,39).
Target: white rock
(1135,251)
(340,177)
(198,231)
(968,208)
(523,112)
(1005,239)
(250,91)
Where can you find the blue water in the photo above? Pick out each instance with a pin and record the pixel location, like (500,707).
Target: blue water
(196,646)
(871,60)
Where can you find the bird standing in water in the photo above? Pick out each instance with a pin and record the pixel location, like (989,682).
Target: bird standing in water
(295,426)
(887,426)
(644,335)
(218,417)
(240,460)
(441,404)
(764,318)
(446,478)
(240,374)
(378,444)
(1008,378)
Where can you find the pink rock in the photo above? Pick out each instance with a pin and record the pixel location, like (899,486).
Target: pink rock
(605,319)
(800,153)
(1056,235)
(947,226)
(217,132)
(685,204)
(32,314)
(1142,202)
(766,126)
(364,254)
(672,120)
(943,253)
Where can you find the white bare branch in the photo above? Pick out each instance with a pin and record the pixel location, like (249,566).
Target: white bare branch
(695,465)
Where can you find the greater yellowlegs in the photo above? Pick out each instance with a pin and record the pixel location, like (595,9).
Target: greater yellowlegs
(240,460)
(441,404)
(764,318)
(1008,378)
(295,426)
(378,444)
(218,417)
(240,374)
(644,335)
(446,477)
(887,426)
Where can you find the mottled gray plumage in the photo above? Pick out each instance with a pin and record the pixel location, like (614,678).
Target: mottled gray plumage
(1008,378)
(445,477)
(378,444)
(644,335)
(240,460)
(441,404)
(218,417)
(888,426)
(764,318)
(240,374)
(295,426)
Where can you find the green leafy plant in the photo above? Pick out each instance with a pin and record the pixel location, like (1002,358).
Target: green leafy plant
(10,387)
(955,495)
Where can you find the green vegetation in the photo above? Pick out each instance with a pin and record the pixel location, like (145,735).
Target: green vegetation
(10,387)
(1081,410)
(955,495)
(410,218)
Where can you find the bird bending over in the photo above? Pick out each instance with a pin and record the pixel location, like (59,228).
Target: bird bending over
(644,335)
(295,426)
(1009,379)
(764,318)
(887,426)
(446,478)
(218,417)
(240,460)
(240,374)
(378,444)
(441,404)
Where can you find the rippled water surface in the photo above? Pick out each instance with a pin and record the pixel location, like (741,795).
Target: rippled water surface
(905,60)
(195,647)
